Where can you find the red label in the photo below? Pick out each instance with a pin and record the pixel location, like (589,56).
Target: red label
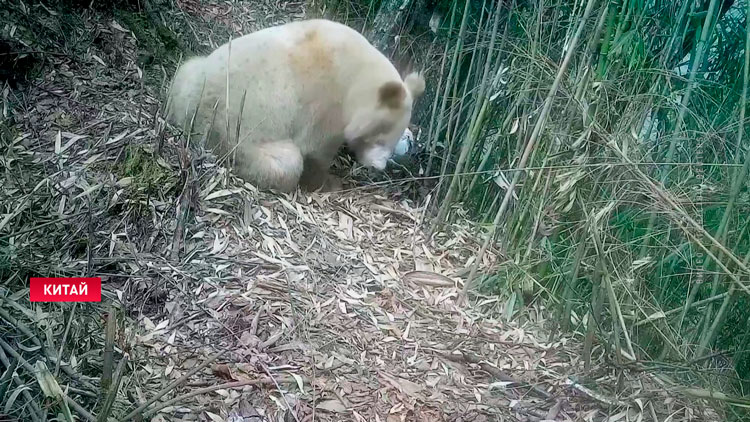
(66,289)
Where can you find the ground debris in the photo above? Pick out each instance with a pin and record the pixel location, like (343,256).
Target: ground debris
(298,307)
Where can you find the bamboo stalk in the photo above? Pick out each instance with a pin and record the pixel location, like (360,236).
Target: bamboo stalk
(607,42)
(738,180)
(581,248)
(488,152)
(453,125)
(700,51)
(448,84)
(619,323)
(597,302)
(468,142)
(430,137)
(530,144)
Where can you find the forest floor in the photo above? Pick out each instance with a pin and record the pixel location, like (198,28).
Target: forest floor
(295,307)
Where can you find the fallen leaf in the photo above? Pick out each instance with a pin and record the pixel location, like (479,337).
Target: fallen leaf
(222,371)
(214,417)
(332,406)
(404,385)
(428,278)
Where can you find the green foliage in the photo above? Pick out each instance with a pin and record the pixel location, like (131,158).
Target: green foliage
(156,42)
(142,166)
(675,131)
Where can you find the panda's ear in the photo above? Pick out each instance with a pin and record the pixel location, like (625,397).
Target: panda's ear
(415,83)
(392,94)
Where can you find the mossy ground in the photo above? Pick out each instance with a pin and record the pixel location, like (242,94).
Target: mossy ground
(142,166)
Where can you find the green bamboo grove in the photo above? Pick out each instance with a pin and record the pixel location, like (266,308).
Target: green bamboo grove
(601,146)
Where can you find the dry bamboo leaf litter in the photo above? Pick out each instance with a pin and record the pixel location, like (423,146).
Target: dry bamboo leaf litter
(332,305)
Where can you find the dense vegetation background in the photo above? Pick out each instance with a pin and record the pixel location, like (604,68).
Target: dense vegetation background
(601,144)
(604,145)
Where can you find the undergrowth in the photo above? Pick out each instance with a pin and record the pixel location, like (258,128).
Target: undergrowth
(606,168)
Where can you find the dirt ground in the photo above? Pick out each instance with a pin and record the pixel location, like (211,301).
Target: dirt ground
(239,305)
